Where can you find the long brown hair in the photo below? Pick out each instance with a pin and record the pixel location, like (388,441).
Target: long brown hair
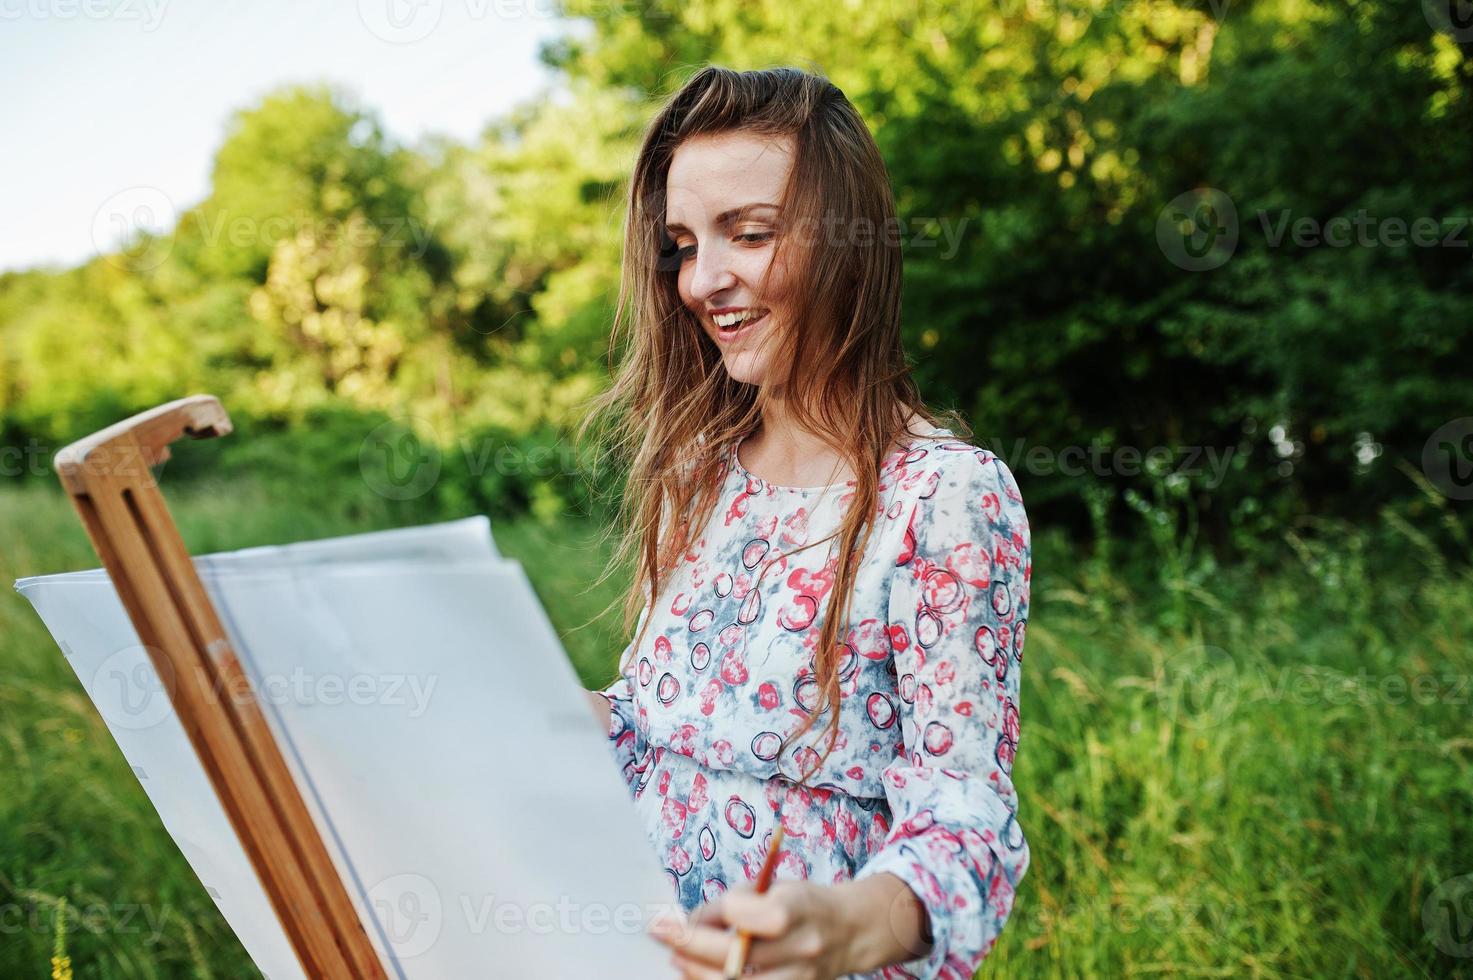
(672,412)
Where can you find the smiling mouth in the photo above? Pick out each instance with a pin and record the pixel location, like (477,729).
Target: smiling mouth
(728,334)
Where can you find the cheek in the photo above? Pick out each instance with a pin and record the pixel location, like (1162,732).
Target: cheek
(761,265)
(682,285)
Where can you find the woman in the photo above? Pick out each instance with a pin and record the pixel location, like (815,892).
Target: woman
(836,549)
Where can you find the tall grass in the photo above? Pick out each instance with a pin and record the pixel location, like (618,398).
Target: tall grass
(1223,772)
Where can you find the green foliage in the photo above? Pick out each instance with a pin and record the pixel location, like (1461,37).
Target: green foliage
(1036,151)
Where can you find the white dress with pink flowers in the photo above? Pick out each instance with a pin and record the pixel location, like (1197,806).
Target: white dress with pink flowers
(919,783)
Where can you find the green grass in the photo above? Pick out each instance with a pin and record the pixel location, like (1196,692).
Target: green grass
(1217,779)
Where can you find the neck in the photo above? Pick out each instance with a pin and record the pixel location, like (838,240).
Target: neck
(783,440)
(787,453)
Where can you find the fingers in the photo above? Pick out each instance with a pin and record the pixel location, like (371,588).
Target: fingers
(789,972)
(692,970)
(774,920)
(700,943)
(766,915)
(700,971)
(696,934)
(713,913)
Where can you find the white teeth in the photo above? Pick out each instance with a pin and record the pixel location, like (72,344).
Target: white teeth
(732,319)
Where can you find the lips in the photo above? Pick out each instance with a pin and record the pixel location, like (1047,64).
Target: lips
(727,335)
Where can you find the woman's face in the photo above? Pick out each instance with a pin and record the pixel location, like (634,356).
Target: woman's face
(722,207)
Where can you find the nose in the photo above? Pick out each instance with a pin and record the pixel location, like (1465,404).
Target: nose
(712,273)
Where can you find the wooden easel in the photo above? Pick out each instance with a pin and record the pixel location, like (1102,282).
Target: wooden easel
(108,477)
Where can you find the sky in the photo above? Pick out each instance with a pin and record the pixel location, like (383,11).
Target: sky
(110,101)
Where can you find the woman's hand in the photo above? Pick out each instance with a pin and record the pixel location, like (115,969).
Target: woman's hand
(800,931)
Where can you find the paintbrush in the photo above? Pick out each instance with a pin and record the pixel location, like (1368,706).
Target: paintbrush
(736,959)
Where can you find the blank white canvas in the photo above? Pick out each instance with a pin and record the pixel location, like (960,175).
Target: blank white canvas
(435,728)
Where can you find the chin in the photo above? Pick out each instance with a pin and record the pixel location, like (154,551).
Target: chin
(746,367)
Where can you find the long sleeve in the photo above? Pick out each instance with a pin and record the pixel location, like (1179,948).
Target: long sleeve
(624,735)
(958,608)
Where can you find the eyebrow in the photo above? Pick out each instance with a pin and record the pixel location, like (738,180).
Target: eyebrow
(727,216)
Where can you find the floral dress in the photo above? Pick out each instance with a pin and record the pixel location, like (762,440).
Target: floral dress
(919,782)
